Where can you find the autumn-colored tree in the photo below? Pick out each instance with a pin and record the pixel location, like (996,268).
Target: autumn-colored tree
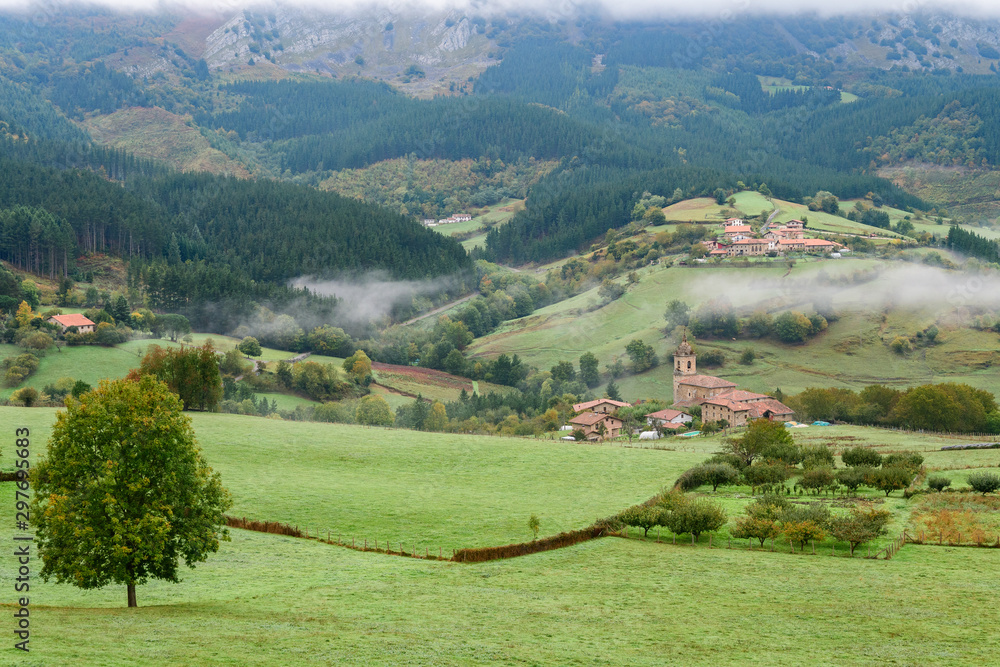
(358,366)
(24,314)
(437,419)
(123,493)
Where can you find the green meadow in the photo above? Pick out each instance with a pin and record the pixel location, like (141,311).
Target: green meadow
(266,599)
(431,491)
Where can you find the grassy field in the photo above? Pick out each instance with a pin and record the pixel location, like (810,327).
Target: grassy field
(600,603)
(427,490)
(603,602)
(86,362)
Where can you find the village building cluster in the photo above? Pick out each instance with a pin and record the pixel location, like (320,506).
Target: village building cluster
(739,240)
(458,217)
(719,400)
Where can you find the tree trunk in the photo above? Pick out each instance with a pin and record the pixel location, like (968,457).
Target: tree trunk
(131,596)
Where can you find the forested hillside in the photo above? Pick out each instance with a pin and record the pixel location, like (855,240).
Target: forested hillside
(590,120)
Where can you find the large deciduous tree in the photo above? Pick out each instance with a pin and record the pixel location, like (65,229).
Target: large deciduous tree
(124,494)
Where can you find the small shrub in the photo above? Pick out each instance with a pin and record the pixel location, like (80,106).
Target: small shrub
(938,483)
(983,482)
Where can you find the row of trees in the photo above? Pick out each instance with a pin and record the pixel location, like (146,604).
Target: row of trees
(948,407)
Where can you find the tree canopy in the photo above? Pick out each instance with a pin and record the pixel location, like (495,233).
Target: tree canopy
(123,493)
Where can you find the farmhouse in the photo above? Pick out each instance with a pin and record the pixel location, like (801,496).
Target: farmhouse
(740,407)
(745,247)
(736,232)
(604,406)
(591,422)
(82,324)
(672,419)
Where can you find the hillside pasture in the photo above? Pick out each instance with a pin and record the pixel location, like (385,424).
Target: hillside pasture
(427,490)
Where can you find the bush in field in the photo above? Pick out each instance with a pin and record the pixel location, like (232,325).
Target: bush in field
(27,396)
(860,457)
(696,517)
(818,513)
(890,478)
(761,519)
(984,482)
(817,479)
(690,479)
(852,478)
(938,483)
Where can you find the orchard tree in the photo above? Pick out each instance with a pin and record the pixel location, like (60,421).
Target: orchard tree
(696,517)
(863,524)
(123,494)
(861,457)
(890,478)
(749,527)
(719,474)
(761,438)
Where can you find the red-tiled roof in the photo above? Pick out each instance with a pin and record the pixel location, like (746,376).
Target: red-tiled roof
(741,395)
(72,320)
(819,242)
(666,414)
(707,381)
(580,407)
(758,408)
(750,242)
(737,229)
(591,418)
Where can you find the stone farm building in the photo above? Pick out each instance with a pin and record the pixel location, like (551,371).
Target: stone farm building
(82,324)
(718,398)
(605,406)
(590,422)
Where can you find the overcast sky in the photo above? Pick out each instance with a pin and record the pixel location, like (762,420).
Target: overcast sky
(710,9)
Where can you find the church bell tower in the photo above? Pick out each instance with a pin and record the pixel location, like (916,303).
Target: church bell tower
(685,363)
